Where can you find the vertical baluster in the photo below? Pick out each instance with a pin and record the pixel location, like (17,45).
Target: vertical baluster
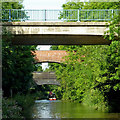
(112,14)
(103,15)
(17,14)
(10,15)
(87,15)
(107,15)
(45,15)
(65,17)
(70,12)
(78,15)
(31,14)
(68,15)
(20,16)
(92,15)
(52,17)
(38,14)
(98,15)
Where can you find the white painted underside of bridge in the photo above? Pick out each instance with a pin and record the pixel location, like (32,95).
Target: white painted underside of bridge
(57,33)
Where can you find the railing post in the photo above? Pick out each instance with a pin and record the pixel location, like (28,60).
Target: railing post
(112,14)
(78,15)
(45,14)
(10,16)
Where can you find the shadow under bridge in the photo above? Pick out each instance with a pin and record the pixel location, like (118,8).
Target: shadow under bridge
(42,78)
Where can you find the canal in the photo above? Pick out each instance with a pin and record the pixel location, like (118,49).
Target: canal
(60,109)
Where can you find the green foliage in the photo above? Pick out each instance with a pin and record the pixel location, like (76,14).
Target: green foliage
(73,5)
(91,74)
(25,102)
(10,109)
(38,67)
(17,60)
(39,95)
(17,66)
(17,107)
(101,5)
(95,99)
(12,5)
(88,15)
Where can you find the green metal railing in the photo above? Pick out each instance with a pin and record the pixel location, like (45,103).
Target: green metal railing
(58,15)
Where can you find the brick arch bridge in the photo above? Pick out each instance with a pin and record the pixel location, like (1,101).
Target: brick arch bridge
(54,56)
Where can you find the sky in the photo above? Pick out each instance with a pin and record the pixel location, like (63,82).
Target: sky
(43,4)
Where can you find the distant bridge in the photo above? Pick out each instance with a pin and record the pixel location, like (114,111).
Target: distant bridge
(54,56)
(42,78)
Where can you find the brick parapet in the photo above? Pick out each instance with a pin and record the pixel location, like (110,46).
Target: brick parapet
(50,56)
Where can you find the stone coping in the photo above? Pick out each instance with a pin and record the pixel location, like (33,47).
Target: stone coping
(53,23)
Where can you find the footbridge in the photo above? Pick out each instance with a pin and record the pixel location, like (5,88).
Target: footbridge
(42,78)
(57,33)
(56,27)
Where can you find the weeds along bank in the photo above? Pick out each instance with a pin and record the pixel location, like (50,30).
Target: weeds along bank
(17,107)
(20,105)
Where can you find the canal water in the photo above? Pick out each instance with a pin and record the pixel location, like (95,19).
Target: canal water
(59,109)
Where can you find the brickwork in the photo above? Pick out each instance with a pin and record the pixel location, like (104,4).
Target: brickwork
(50,56)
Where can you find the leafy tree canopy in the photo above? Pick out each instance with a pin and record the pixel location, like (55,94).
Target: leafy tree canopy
(12,5)
(17,61)
(91,74)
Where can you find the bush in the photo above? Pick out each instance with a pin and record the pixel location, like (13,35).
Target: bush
(95,99)
(10,109)
(18,107)
(25,102)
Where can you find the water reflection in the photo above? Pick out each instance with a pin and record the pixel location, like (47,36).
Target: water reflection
(58,109)
(45,109)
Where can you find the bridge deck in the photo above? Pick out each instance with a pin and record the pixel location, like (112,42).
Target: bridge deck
(57,33)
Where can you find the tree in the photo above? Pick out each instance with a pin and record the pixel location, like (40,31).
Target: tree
(111,71)
(17,61)
(12,5)
(89,14)
(95,78)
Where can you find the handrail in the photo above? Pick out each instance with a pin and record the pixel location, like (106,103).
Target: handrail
(74,15)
